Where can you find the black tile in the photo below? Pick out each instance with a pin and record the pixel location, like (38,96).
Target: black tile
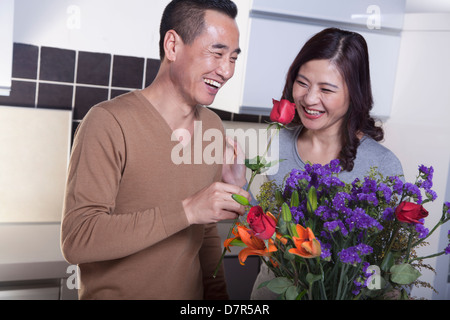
(25,61)
(86,98)
(55,96)
(57,65)
(265,119)
(23,94)
(116,93)
(224,115)
(151,70)
(128,72)
(245,118)
(75,125)
(93,68)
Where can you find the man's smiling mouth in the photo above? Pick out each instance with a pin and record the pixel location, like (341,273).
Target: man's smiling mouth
(213,83)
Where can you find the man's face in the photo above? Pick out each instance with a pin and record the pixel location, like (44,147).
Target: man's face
(203,67)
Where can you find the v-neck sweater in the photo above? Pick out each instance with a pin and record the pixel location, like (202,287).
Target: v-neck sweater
(123,221)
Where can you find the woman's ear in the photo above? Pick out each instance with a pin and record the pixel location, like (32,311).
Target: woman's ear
(171,42)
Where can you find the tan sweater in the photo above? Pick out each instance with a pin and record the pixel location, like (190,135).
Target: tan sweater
(123,220)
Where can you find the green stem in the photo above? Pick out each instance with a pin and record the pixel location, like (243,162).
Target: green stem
(254,173)
(230,232)
(391,241)
(427,257)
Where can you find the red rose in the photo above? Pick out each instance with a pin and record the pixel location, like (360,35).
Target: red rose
(410,212)
(282,112)
(262,224)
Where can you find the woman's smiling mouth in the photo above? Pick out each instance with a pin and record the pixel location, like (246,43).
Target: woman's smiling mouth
(313,114)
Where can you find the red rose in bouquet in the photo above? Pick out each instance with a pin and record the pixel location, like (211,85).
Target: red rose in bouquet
(262,224)
(410,212)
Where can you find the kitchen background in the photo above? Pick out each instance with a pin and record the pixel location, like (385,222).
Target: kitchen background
(67,55)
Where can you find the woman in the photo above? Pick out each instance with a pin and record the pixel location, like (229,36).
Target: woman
(329,81)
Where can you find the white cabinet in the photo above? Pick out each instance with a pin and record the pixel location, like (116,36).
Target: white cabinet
(6,45)
(277,30)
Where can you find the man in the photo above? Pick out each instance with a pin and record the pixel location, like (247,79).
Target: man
(139,226)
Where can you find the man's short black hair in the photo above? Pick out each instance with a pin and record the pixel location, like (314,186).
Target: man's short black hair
(187,18)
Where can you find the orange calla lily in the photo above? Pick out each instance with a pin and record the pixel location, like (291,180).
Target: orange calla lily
(306,244)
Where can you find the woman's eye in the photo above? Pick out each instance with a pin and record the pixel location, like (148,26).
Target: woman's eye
(302,83)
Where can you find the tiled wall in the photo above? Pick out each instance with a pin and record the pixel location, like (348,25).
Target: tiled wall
(45,77)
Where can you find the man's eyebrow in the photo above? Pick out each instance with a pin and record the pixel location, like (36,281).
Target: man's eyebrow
(223,46)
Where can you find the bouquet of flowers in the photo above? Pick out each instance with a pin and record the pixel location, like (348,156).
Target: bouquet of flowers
(326,239)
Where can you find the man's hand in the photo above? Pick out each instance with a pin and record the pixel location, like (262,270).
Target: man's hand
(214,204)
(233,170)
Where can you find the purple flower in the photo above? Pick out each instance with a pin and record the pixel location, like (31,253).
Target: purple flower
(388,214)
(297,213)
(431,194)
(352,255)
(360,220)
(386,192)
(361,281)
(428,172)
(397,184)
(421,230)
(339,201)
(413,191)
(447,208)
(326,213)
(369,197)
(326,251)
(334,166)
(334,226)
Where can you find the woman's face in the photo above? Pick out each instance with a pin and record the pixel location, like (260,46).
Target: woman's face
(321,96)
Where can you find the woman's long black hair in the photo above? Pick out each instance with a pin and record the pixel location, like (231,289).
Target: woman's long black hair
(348,52)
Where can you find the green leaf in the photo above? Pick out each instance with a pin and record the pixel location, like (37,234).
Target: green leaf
(288,256)
(238,243)
(388,261)
(312,200)
(404,274)
(279,197)
(286,213)
(291,293)
(282,226)
(295,199)
(240,199)
(300,296)
(279,285)
(311,278)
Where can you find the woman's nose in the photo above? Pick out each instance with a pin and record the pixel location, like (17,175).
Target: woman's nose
(312,96)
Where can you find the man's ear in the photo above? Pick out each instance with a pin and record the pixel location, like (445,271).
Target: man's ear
(171,44)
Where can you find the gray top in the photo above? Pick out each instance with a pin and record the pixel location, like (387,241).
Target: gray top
(369,154)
